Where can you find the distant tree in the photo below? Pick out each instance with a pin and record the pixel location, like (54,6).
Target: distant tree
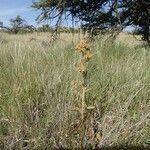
(17,24)
(4,28)
(45,28)
(1,24)
(29,28)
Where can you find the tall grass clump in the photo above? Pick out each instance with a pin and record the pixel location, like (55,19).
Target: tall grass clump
(107,103)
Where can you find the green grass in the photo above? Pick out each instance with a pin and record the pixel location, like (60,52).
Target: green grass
(36,97)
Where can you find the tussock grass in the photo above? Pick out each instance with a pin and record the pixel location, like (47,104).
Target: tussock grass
(36,97)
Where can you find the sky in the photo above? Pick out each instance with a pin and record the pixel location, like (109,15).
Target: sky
(11,8)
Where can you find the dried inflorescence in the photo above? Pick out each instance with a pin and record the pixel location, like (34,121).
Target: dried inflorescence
(84,125)
(82,68)
(84,48)
(80,87)
(82,45)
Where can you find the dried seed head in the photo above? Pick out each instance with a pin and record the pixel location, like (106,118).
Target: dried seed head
(88,56)
(81,68)
(83,46)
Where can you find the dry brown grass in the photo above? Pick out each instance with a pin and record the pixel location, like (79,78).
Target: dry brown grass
(129,39)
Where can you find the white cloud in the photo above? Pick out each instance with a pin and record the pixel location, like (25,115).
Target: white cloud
(10,12)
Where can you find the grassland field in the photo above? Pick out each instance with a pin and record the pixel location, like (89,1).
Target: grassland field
(37,100)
